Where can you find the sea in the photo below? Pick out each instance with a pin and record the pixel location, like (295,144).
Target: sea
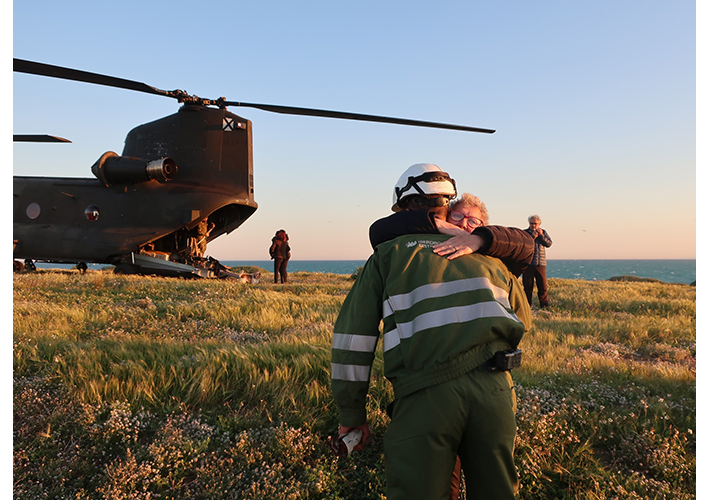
(669,271)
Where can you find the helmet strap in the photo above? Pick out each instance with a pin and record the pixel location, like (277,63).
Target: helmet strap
(413,182)
(418,202)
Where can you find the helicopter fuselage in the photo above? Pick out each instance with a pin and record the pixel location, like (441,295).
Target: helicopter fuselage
(206,156)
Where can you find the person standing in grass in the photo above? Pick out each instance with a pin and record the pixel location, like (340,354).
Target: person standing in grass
(536,273)
(280,251)
(467,219)
(444,321)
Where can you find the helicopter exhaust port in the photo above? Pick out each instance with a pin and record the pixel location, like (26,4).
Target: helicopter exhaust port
(113,169)
(161,170)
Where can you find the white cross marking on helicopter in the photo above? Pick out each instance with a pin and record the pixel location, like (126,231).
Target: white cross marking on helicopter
(228,124)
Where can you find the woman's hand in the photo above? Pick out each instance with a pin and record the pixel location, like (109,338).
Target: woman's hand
(463,244)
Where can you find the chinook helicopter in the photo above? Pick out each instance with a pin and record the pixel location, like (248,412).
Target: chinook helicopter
(145,210)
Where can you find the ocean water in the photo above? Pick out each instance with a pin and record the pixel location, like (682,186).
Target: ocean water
(311,266)
(669,271)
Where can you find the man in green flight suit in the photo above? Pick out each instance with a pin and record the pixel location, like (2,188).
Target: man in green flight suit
(444,321)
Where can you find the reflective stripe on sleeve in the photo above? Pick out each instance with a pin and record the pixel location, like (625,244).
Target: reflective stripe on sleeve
(386,309)
(442,317)
(350,373)
(390,339)
(351,342)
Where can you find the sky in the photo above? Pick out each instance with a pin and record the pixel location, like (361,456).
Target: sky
(593,103)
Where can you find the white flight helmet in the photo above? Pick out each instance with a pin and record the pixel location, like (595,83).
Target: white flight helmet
(423,179)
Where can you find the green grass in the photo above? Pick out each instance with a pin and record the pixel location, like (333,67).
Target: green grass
(139,387)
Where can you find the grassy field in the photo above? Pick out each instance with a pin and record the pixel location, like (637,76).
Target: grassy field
(130,387)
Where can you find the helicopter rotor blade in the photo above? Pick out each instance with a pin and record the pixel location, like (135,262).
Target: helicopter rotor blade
(37,138)
(41,69)
(291,110)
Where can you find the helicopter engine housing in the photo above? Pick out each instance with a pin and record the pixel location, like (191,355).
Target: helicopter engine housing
(113,169)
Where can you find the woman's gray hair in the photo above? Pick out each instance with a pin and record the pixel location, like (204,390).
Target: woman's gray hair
(534,217)
(468,200)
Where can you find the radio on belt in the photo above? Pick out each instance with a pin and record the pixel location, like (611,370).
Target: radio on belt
(507,360)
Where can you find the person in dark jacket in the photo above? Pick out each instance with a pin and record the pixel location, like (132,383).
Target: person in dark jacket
(281,253)
(536,273)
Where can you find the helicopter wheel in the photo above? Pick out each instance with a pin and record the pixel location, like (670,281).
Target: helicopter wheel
(125,269)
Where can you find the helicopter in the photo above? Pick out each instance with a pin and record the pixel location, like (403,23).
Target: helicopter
(145,211)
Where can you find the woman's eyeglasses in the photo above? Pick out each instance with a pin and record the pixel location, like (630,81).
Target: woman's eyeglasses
(457,216)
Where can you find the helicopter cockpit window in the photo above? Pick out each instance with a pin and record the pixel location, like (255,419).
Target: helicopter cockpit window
(33,210)
(92,212)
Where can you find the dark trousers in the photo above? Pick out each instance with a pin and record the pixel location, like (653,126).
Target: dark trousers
(536,275)
(472,416)
(280,267)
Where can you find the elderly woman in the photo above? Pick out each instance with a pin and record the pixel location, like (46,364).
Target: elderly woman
(468,213)
(465,215)
(467,221)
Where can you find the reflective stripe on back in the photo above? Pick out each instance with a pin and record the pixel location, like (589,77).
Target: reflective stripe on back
(438,290)
(442,317)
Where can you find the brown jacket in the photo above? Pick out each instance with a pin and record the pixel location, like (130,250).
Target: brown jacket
(279,249)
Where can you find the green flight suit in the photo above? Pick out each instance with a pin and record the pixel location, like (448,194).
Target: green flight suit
(442,319)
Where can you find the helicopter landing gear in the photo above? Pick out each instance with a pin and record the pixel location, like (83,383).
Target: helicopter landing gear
(125,269)
(30,265)
(82,267)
